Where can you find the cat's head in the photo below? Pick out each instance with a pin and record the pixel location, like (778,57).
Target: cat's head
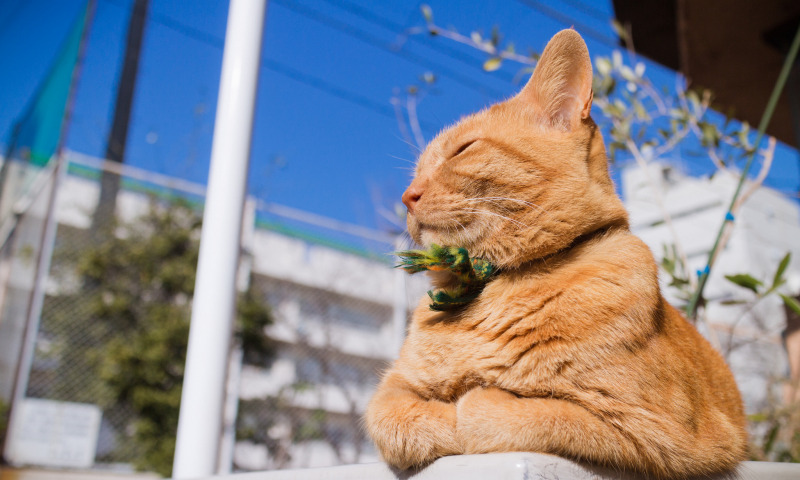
(524,178)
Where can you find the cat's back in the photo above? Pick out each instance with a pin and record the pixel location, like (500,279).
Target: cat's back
(707,362)
(661,350)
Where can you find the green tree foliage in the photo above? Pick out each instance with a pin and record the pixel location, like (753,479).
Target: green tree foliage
(3,418)
(138,286)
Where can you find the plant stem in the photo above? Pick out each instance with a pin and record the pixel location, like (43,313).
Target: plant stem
(788,62)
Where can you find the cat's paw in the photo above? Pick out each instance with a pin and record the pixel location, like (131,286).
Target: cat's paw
(480,419)
(415,438)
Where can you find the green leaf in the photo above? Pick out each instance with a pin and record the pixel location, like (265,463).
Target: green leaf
(627,73)
(711,135)
(612,152)
(770,437)
(429,78)
(778,279)
(492,64)
(758,417)
(426,12)
(694,99)
(791,303)
(743,135)
(621,32)
(605,86)
(733,302)
(745,280)
(639,110)
(476,37)
(495,38)
(616,58)
(603,65)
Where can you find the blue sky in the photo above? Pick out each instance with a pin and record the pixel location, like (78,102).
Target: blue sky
(325,138)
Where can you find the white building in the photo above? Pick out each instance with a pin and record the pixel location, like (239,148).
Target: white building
(337,329)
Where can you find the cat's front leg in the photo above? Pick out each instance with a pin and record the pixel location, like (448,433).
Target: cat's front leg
(476,412)
(409,430)
(494,420)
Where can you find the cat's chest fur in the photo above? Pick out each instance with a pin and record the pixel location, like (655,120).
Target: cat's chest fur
(530,332)
(457,352)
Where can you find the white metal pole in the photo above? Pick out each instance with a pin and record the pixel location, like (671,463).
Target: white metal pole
(200,421)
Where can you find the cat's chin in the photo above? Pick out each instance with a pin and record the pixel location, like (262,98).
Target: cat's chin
(466,234)
(430,237)
(427,238)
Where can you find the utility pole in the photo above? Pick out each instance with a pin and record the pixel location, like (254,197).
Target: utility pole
(118,136)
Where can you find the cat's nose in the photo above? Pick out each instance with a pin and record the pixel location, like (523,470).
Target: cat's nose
(412,195)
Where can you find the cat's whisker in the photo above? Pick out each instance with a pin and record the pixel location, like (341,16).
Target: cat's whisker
(463,228)
(506,198)
(414,146)
(487,212)
(495,201)
(404,240)
(495,204)
(412,162)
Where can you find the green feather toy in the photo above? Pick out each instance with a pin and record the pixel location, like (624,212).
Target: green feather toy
(472,273)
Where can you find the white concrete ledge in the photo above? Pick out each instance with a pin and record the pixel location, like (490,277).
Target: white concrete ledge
(503,466)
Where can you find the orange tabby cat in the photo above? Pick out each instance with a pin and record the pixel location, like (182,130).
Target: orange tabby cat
(570,349)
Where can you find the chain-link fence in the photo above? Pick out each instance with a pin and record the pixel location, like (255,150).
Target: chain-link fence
(321,315)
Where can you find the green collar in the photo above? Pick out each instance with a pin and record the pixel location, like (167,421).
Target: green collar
(473,273)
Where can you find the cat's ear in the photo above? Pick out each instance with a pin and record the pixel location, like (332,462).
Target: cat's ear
(560,88)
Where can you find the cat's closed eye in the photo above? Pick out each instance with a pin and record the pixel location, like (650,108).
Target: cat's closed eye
(464,147)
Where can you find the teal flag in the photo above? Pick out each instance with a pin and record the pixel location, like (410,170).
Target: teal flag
(37,134)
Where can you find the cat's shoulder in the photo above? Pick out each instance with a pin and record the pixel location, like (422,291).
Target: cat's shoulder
(612,267)
(618,249)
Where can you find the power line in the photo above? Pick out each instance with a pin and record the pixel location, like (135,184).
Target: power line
(282,69)
(334,90)
(379,43)
(587,9)
(400,30)
(366,14)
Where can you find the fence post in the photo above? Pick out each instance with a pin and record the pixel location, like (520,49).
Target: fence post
(28,350)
